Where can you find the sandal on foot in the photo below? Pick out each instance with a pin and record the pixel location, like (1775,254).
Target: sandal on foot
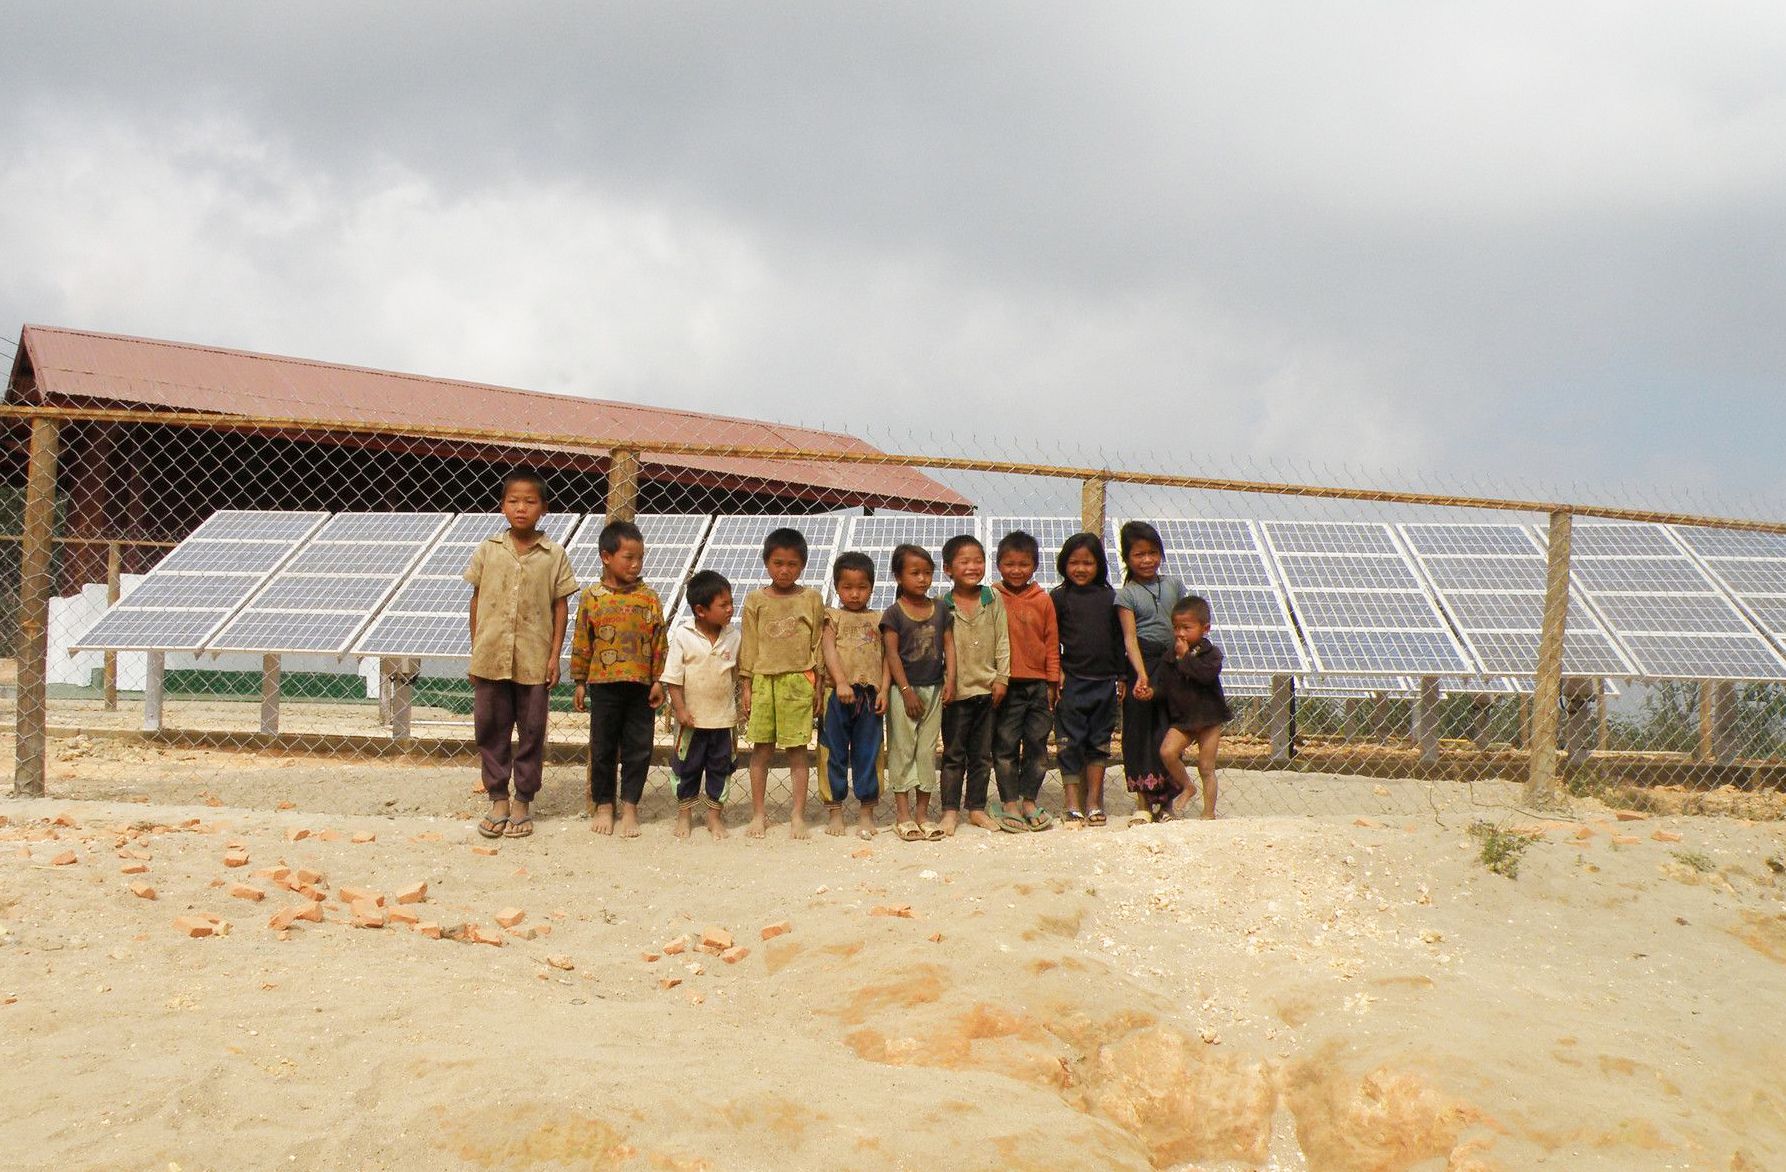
(1011,823)
(1040,820)
(1141,818)
(933,832)
(492,826)
(909,832)
(1074,818)
(1095,817)
(519,828)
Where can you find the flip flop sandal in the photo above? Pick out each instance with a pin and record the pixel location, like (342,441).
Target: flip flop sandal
(1074,819)
(1011,824)
(1095,818)
(519,828)
(1040,820)
(1140,818)
(492,827)
(909,832)
(933,832)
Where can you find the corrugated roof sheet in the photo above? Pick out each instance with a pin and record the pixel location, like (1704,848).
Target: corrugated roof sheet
(72,365)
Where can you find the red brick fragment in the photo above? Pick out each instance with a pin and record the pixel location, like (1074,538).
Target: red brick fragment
(486,851)
(367,914)
(560,961)
(359,895)
(278,874)
(243,891)
(780,928)
(1666,836)
(142,891)
(414,893)
(64,859)
(901,910)
(734,955)
(306,875)
(236,858)
(1630,816)
(716,939)
(194,927)
(669,983)
(401,915)
(296,834)
(649,957)
(429,929)
(134,869)
(508,917)
(286,806)
(676,947)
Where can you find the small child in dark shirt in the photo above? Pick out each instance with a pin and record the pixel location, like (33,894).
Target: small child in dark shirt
(1190,687)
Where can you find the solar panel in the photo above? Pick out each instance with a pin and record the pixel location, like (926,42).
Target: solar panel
(877,536)
(194,589)
(1051,533)
(331,590)
(1750,566)
(1669,610)
(735,548)
(1490,579)
(1731,543)
(1360,602)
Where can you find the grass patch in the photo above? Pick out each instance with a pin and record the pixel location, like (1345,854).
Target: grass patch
(1697,860)
(1501,848)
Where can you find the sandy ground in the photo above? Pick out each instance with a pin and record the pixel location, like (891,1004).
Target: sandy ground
(1271,990)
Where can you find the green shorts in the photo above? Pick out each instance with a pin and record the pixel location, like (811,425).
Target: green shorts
(781,710)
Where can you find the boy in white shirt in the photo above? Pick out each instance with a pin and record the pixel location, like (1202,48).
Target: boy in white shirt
(701,677)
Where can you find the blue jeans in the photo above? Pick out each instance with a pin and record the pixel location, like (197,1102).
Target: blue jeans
(851,736)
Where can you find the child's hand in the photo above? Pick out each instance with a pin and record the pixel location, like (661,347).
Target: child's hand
(744,704)
(998,694)
(1053,695)
(577,699)
(1143,689)
(552,676)
(1181,646)
(1120,690)
(948,691)
(656,698)
(914,707)
(683,716)
(818,701)
(880,703)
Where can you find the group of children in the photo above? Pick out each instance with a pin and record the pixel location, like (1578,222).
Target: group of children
(990,669)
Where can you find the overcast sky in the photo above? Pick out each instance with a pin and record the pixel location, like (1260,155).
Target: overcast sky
(1502,247)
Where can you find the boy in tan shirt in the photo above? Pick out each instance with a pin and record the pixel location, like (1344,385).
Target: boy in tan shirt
(778,661)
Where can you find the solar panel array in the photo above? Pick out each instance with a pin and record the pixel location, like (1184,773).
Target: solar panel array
(193,591)
(1750,566)
(1361,602)
(734,548)
(329,590)
(1490,579)
(877,536)
(1224,561)
(428,614)
(1671,616)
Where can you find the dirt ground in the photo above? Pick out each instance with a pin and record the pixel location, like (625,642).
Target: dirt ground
(1341,986)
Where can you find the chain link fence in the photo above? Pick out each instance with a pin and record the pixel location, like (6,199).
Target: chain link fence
(1388,653)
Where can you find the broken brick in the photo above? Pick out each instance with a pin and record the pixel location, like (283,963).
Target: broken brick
(935,937)
(560,961)
(401,915)
(780,928)
(306,875)
(414,893)
(1630,816)
(142,891)
(367,914)
(1666,836)
(195,927)
(669,983)
(277,874)
(296,834)
(716,939)
(476,935)
(531,931)
(900,910)
(487,851)
(64,859)
(862,853)
(133,869)
(286,806)
(283,918)
(429,929)
(236,859)
(312,912)
(508,917)
(676,947)
(1625,840)
(649,957)
(364,836)
(734,955)
(352,895)
(243,891)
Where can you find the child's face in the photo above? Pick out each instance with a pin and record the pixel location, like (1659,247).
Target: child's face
(716,615)
(1188,627)
(1082,567)
(522,506)
(853,589)
(1143,561)
(914,577)
(622,567)
(1016,568)
(784,566)
(967,569)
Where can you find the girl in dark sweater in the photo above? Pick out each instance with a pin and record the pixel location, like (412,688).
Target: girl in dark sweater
(1091,668)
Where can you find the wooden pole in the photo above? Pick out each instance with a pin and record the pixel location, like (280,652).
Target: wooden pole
(32,712)
(1706,703)
(1541,770)
(269,693)
(1279,709)
(1091,505)
(623,484)
(114,590)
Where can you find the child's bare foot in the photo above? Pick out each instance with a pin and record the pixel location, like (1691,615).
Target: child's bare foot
(834,824)
(1209,814)
(981,819)
(759,826)
(865,822)
(797,827)
(629,820)
(684,821)
(1181,804)
(951,819)
(603,822)
(716,823)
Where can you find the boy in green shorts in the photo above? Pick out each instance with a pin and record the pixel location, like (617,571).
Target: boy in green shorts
(778,659)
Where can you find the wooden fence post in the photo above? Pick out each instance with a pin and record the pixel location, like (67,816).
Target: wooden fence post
(623,484)
(1541,770)
(1091,505)
(32,711)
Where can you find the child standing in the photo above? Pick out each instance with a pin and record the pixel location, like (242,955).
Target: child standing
(851,730)
(617,659)
(701,677)
(1020,730)
(1091,657)
(778,658)
(521,582)
(919,647)
(1190,687)
(982,673)
(1144,608)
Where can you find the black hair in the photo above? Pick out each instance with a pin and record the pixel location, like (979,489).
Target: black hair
(1134,533)
(1017,541)
(785,539)
(958,543)
(1194,605)
(704,587)
(906,552)
(855,560)
(1086,541)
(526,476)
(615,532)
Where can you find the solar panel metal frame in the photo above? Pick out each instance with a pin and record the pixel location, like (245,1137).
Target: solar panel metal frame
(1659,652)
(723,548)
(213,531)
(1720,552)
(1525,575)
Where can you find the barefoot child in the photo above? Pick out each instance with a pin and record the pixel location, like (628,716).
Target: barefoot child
(1020,729)
(1091,664)
(982,673)
(617,657)
(851,730)
(919,648)
(701,677)
(520,583)
(1190,687)
(778,658)
(1144,608)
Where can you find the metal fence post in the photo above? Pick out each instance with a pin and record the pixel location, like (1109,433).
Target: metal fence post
(623,484)
(34,610)
(1541,770)
(1091,505)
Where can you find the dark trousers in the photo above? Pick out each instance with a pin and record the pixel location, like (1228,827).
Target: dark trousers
(499,709)
(619,733)
(967,751)
(702,753)
(1083,722)
(1020,741)
(851,736)
(1144,727)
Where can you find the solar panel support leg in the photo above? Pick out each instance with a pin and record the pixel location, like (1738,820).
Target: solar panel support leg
(1717,721)
(1482,710)
(1541,766)
(401,674)
(31,707)
(154,686)
(114,590)
(1578,721)
(269,693)
(1280,719)
(1426,720)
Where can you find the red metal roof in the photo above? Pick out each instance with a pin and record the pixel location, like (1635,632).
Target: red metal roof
(73,365)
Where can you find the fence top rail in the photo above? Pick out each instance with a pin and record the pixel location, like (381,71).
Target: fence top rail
(599,445)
